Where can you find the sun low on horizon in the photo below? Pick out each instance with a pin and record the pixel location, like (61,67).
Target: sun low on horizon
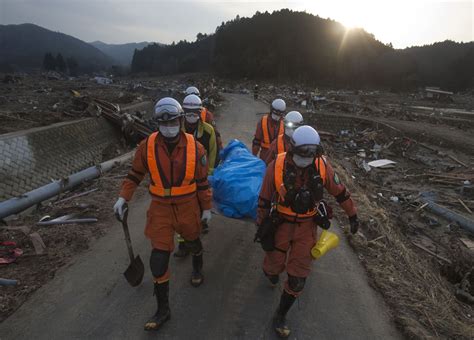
(402,23)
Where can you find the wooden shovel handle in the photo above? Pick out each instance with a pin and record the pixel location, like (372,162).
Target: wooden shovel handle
(127,234)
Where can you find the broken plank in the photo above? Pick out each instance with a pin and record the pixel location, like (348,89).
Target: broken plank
(76,196)
(433,180)
(463,177)
(422,207)
(38,243)
(458,161)
(465,206)
(377,239)
(468,243)
(427,147)
(431,252)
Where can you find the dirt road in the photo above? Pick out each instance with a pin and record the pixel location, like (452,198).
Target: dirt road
(91,299)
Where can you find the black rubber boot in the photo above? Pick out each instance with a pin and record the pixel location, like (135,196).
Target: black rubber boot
(163,312)
(205,228)
(196,277)
(182,251)
(279,320)
(274,279)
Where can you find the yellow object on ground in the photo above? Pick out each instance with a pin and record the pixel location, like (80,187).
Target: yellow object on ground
(326,242)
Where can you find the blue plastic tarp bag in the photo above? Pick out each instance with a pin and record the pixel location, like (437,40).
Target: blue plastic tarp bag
(237,181)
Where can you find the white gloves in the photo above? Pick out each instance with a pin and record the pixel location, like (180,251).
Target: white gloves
(119,208)
(206,216)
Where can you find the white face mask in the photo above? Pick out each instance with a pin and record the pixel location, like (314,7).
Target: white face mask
(302,162)
(192,119)
(169,131)
(289,132)
(275,117)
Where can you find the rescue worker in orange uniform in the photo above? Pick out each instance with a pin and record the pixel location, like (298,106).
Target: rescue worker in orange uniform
(268,129)
(291,192)
(177,165)
(292,121)
(204,134)
(206,115)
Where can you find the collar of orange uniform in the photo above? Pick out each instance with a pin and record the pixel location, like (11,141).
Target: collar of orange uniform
(269,124)
(203,113)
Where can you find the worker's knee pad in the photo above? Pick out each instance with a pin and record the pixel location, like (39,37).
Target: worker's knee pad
(194,247)
(296,284)
(159,260)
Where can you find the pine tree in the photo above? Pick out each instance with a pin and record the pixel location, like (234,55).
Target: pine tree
(60,64)
(49,63)
(72,66)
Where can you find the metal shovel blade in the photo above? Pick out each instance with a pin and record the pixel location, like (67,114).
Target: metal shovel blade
(135,271)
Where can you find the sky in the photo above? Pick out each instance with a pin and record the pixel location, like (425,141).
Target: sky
(400,22)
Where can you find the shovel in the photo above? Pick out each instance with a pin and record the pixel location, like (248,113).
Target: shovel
(136,269)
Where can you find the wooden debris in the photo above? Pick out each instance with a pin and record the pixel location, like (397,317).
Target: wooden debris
(427,147)
(77,195)
(423,206)
(25,229)
(377,239)
(38,243)
(443,182)
(458,161)
(467,242)
(465,206)
(431,252)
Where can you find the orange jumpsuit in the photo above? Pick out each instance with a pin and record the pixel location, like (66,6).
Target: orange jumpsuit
(208,117)
(279,145)
(265,134)
(295,236)
(167,215)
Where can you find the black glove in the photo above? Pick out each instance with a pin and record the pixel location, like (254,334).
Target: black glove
(354,222)
(323,217)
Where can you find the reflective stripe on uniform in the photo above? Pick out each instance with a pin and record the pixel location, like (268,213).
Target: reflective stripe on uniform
(266,132)
(188,185)
(203,114)
(280,144)
(280,185)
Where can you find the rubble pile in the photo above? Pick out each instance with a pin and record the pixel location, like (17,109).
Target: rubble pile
(416,203)
(32,101)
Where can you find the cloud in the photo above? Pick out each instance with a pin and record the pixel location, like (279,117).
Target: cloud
(119,21)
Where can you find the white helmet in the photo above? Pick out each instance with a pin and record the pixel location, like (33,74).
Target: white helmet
(279,105)
(306,142)
(192,103)
(167,109)
(293,119)
(192,90)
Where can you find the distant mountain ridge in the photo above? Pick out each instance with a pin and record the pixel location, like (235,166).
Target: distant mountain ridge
(23,47)
(121,53)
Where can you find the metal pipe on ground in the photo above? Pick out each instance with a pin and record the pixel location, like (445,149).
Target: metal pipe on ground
(463,222)
(29,199)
